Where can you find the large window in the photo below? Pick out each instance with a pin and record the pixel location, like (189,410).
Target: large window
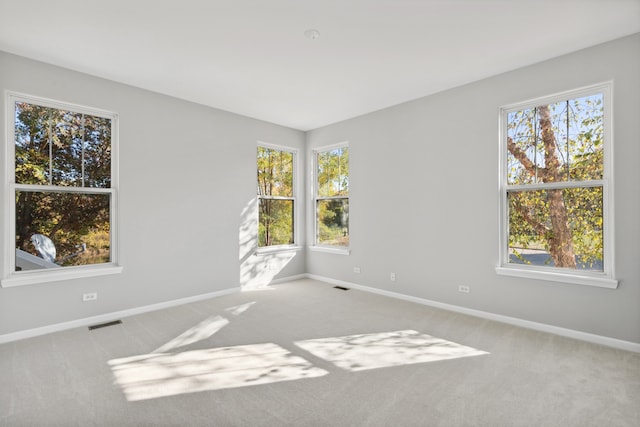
(331,197)
(276,196)
(62,190)
(555,188)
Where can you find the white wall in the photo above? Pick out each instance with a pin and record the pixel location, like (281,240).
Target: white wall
(187,185)
(424,197)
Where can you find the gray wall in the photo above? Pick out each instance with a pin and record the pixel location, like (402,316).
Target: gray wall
(424,197)
(187,185)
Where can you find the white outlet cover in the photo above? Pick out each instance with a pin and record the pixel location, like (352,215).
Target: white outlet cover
(90,296)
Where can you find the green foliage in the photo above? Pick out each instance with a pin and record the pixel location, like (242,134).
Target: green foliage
(333,222)
(333,172)
(530,223)
(98,248)
(275,222)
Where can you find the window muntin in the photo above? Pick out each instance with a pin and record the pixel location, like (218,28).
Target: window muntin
(332,196)
(555,184)
(276,196)
(61,186)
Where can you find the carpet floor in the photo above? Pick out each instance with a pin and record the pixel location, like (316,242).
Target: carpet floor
(303,353)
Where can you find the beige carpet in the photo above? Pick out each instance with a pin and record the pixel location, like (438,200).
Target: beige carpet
(306,354)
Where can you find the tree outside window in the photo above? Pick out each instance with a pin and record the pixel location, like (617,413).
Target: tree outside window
(332,196)
(555,184)
(276,201)
(63,186)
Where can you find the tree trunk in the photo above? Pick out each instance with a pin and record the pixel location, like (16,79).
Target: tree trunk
(23,220)
(561,240)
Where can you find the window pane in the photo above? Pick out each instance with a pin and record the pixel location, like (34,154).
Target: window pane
(32,133)
(586,138)
(63,229)
(521,139)
(60,147)
(275,222)
(561,228)
(556,142)
(275,172)
(97,152)
(333,222)
(333,172)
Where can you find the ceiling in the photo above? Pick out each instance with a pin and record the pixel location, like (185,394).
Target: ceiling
(251,57)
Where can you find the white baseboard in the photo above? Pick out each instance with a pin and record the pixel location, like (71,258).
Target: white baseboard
(79,323)
(542,327)
(570,333)
(15,336)
(288,279)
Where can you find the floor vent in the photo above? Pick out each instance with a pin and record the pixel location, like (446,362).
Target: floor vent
(104,325)
(342,288)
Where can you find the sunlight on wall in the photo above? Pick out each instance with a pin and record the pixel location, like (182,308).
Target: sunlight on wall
(257,270)
(248,233)
(158,375)
(371,351)
(201,331)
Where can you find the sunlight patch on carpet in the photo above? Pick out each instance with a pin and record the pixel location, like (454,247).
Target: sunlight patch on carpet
(239,309)
(199,332)
(380,350)
(152,376)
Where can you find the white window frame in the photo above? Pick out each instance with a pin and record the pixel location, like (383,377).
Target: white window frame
(18,278)
(606,278)
(313,192)
(296,214)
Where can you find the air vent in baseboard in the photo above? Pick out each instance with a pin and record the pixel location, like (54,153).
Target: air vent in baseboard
(104,325)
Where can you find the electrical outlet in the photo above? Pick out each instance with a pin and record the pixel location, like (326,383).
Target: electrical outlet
(392,276)
(356,269)
(463,288)
(91,296)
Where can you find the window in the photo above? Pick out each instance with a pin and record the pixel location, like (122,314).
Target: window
(62,191)
(331,196)
(555,188)
(276,196)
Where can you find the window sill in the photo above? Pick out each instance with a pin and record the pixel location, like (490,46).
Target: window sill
(266,250)
(330,250)
(598,280)
(68,273)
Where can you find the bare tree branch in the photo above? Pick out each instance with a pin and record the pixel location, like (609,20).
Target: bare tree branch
(537,226)
(521,156)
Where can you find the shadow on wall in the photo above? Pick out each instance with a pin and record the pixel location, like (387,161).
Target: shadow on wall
(257,270)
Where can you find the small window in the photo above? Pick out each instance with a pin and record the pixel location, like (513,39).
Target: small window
(276,196)
(555,188)
(332,196)
(62,188)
